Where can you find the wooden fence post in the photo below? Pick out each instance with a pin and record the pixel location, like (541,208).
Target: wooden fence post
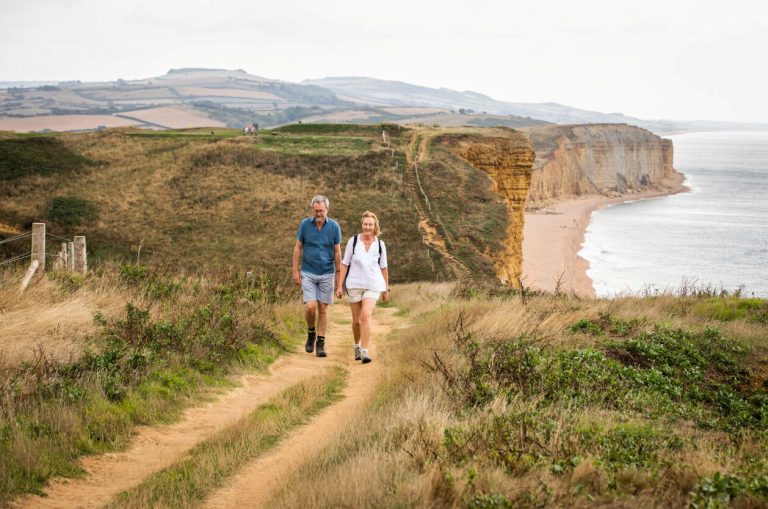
(71,256)
(64,257)
(81,263)
(38,244)
(28,277)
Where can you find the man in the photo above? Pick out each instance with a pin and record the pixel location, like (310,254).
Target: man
(318,244)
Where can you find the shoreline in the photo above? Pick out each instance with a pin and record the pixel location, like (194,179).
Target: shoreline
(554,236)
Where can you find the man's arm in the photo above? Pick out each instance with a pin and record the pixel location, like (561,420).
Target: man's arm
(297,248)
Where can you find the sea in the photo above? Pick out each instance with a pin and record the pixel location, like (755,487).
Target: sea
(715,236)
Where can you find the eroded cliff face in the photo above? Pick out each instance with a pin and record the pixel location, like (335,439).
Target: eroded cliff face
(607,159)
(508,160)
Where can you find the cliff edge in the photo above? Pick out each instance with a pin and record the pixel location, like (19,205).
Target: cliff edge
(507,160)
(603,159)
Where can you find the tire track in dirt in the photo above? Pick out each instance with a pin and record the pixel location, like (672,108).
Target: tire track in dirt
(255,484)
(158,447)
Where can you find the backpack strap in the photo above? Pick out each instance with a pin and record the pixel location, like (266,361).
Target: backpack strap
(379,252)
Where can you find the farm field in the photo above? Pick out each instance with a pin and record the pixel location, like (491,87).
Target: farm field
(63,123)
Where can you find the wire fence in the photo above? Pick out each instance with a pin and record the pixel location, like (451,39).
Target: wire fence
(17,237)
(15,252)
(16,258)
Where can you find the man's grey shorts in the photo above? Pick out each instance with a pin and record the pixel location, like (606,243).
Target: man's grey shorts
(319,288)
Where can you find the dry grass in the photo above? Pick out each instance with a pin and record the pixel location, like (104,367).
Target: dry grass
(53,316)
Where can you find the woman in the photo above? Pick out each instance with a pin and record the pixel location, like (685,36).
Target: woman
(365,274)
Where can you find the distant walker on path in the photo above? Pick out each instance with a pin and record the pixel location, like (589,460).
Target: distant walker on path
(318,246)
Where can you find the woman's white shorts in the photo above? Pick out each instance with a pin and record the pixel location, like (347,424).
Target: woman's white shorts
(358,294)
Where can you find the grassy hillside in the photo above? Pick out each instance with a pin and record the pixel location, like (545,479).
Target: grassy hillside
(201,200)
(209,199)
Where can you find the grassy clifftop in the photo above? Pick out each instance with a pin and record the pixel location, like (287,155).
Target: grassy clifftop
(212,199)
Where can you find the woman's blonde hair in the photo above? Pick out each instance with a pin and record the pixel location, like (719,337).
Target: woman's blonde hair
(376,228)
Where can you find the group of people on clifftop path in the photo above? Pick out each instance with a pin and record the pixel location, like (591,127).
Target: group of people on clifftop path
(322,273)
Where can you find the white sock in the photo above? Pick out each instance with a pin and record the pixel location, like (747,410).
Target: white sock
(365,351)
(357,345)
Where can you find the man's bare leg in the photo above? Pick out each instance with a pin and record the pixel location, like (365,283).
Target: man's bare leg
(310,312)
(322,326)
(322,319)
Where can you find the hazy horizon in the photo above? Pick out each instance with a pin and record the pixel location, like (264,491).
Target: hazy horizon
(655,60)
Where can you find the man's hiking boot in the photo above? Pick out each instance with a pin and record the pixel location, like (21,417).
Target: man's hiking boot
(358,353)
(310,345)
(321,348)
(365,357)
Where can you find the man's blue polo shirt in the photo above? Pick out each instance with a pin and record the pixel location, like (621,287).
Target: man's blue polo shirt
(318,256)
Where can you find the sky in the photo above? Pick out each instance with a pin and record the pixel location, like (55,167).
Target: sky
(671,59)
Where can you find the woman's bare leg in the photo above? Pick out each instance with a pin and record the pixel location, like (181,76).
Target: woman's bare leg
(366,311)
(356,308)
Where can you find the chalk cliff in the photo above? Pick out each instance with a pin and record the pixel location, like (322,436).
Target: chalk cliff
(607,159)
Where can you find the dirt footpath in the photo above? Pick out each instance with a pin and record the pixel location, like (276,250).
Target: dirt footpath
(259,480)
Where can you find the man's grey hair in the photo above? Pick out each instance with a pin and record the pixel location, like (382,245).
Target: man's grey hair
(320,199)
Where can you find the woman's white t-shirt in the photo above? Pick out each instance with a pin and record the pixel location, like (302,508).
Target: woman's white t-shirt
(364,268)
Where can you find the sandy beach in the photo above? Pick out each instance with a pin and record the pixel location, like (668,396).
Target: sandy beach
(553,237)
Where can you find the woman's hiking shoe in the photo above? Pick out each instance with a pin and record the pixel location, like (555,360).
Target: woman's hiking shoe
(310,345)
(365,357)
(358,353)
(321,348)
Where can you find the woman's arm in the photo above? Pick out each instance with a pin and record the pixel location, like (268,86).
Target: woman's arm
(342,278)
(385,293)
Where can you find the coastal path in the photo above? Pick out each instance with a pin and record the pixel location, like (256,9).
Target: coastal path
(155,448)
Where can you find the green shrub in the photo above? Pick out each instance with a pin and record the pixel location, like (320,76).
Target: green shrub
(587,326)
(68,281)
(727,309)
(72,211)
(133,274)
(722,490)
(20,157)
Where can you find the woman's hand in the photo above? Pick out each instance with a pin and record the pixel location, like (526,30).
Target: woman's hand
(339,293)
(385,296)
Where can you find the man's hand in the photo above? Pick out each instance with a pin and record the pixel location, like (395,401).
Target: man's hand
(339,292)
(297,277)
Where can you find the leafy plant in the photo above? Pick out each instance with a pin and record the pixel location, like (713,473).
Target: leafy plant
(72,211)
